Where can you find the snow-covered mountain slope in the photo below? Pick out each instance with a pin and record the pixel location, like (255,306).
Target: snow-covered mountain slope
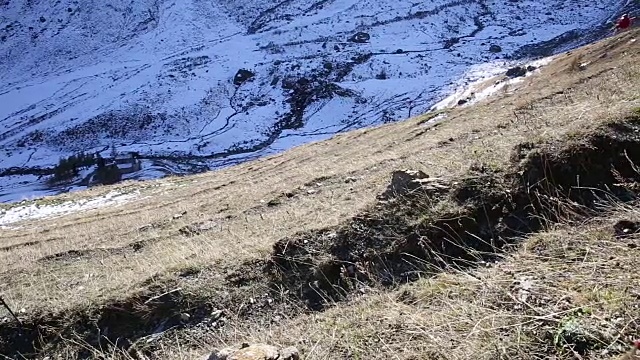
(159,77)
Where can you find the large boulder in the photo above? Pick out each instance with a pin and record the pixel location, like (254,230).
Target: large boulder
(517,71)
(406,182)
(242,75)
(255,352)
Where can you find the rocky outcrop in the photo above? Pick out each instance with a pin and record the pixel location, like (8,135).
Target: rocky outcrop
(242,76)
(517,71)
(360,37)
(403,182)
(255,352)
(520,71)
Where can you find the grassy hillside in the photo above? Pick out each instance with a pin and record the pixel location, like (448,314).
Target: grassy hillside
(513,248)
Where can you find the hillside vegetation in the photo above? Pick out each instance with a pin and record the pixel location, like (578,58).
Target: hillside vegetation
(520,243)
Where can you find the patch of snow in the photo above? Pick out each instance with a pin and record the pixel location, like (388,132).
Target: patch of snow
(36,211)
(470,87)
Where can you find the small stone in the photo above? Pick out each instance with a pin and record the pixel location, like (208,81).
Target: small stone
(145,227)
(184,317)
(178,216)
(217,314)
(625,228)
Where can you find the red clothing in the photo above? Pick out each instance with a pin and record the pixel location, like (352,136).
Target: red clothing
(624,23)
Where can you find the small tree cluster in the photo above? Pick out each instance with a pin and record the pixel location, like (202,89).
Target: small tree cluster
(382,75)
(69,167)
(108,174)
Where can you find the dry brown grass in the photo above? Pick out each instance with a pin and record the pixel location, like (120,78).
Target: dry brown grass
(568,282)
(114,250)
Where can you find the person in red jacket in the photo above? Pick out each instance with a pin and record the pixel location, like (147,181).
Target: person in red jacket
(624,23)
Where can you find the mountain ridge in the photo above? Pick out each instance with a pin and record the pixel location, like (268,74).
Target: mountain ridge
(156,78)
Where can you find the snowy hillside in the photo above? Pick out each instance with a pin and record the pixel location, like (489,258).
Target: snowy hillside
(159,77)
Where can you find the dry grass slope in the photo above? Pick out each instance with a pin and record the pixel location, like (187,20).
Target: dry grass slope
(250,239)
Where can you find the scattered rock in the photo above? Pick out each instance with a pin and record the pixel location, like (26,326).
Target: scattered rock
(495,48)
(625,228)
(242,76)
(350,179)
(197,228)
(360,37)
(217,314)
(178,216)
(403,181)
(184,317)
(531,68)
(449,43)
(273,202)
(517,71)
(256,352)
